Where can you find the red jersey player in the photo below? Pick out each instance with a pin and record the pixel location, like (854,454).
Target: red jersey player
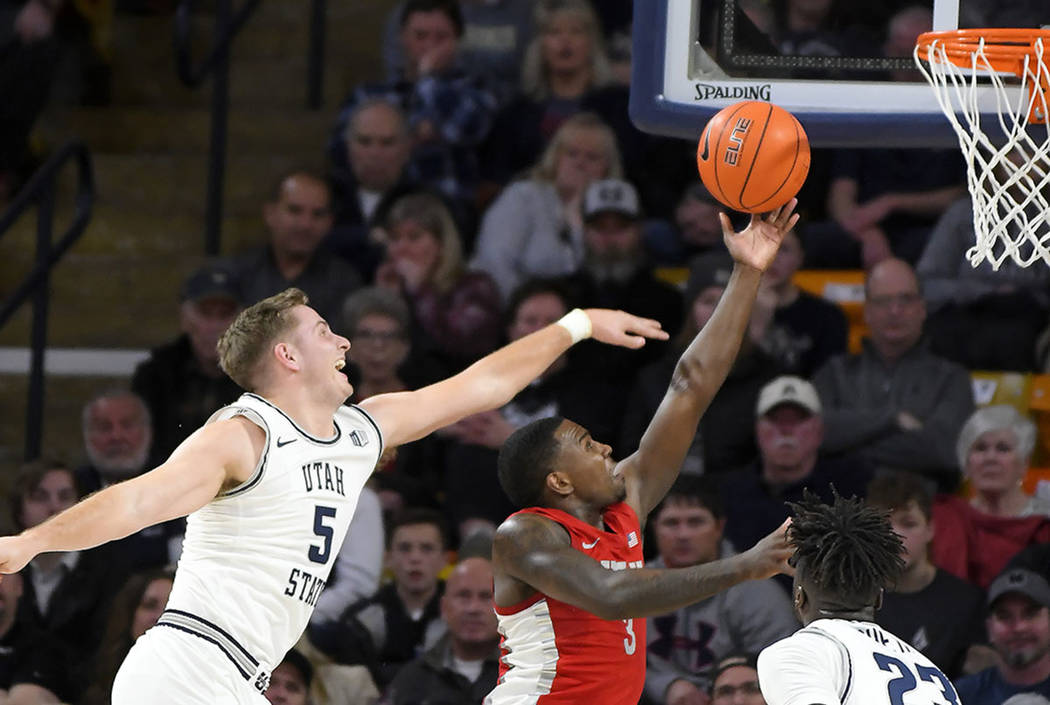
(571,591)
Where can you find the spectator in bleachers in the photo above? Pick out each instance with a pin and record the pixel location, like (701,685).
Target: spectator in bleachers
(883,203)
(297,216)
(378,144)
(895,403)
(290,680)
(931,609)
(495,35)
(27,64)
(117,438)
(982,318)
(789,426)
(1018,625)
(463,667)
(456,311)
(32,665)
(695,229)
(722,443)
(403,619)
(135,609)
(977,536)
(566,71)
(65,595)
(564,62)
(684,647)
(118,433)
(181,382)
(804,330)
(615,274)
(449,106)
(535,227)
(736,682)
(378,323)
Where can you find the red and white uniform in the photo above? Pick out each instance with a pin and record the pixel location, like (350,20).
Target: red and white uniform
(553,653)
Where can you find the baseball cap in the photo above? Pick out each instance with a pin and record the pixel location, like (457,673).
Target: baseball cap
(610,196)
(208,281)
(1022,581)
(788,389)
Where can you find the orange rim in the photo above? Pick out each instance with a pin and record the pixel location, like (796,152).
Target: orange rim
(1005,49)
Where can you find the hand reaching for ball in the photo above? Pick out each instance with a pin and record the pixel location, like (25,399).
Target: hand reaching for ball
(757,244)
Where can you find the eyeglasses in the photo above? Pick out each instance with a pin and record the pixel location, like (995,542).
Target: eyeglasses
(727,691)
(364,335)
(885,302)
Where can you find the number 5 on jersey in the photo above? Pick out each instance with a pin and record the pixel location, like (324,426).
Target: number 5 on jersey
(325,532)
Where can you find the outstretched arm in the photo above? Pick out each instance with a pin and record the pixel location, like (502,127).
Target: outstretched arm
(219,454)
(493,380)
(703,367)
(536,551)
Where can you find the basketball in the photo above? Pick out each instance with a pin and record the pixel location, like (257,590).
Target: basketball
(753,156)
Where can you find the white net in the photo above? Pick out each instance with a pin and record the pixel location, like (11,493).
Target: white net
(1008,158)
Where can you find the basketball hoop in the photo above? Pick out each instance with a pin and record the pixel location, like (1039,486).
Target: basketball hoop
(1008,160)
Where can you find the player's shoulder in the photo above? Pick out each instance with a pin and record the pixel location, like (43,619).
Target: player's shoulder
(526,526)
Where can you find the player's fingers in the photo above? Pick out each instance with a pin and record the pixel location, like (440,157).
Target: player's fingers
(632,341)
(727,226)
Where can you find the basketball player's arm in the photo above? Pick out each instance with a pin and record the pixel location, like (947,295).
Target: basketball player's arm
(704,365)
(221,453)
(536,551)
(493,380)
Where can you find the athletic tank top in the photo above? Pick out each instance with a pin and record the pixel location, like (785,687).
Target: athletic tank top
(255,559)
(553,652)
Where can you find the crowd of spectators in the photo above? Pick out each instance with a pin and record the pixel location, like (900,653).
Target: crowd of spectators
(464,206)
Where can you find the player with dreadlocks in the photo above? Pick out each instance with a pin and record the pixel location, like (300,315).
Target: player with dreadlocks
(845,554)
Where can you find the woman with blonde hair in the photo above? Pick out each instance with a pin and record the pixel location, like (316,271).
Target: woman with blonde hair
(563,67)
(535,228)
(457,311)
(976,537)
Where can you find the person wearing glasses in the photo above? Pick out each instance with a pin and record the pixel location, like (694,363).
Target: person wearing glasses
(896,403)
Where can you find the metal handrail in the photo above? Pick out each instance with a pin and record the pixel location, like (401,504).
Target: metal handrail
(217,64)
(40,191)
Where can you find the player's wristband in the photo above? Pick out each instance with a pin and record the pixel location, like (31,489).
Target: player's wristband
(577,323)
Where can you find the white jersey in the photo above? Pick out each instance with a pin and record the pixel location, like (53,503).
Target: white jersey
(842,662)
(256,558)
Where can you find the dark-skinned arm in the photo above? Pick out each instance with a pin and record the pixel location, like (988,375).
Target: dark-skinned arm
(704,365)
(537,551)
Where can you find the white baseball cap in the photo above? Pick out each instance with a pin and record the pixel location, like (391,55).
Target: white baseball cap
(788,389)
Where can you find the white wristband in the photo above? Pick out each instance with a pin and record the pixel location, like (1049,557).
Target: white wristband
(577,323)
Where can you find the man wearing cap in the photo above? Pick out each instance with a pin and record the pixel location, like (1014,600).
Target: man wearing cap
(181,382)
(615,274)
(1019,630)
(789,428)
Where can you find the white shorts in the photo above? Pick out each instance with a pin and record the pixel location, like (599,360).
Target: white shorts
(170,667)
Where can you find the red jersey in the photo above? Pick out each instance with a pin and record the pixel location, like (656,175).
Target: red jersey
(553,653)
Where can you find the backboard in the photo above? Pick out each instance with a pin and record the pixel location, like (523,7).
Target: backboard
(851,82)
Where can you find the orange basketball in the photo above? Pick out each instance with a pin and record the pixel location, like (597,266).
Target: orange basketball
(753,156)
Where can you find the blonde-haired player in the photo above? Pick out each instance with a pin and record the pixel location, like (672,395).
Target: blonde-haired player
(270,484)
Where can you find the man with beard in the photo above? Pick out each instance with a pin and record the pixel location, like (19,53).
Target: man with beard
(117,440)
(1019,630)
(789,427)
(615,274)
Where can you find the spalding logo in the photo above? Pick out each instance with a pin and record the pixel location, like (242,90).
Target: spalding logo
(710,91)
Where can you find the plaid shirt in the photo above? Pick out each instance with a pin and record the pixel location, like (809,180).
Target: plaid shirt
(459,106)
